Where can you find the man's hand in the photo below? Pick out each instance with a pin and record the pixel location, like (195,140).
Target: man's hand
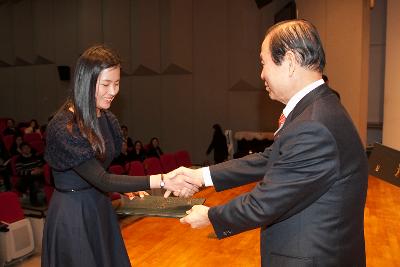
(197,217)
(193,179)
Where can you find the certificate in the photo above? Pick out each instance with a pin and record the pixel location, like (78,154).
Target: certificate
(157,206)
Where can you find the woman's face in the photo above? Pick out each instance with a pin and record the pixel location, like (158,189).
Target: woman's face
(155,142)
(107,87)
(138,146)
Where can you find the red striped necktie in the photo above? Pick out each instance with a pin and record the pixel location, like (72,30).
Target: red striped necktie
(281,121)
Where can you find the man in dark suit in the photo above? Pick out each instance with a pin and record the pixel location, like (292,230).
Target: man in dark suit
(312,181)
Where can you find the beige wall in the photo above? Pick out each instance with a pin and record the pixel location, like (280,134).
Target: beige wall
(187,63)
(391,114)
(344,30)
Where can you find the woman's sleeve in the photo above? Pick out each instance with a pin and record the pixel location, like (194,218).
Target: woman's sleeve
(93,172)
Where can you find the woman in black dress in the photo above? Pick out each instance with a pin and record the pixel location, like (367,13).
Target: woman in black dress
(81,227)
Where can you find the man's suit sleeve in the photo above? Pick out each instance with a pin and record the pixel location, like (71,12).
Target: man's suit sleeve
(304,170)
(241,171)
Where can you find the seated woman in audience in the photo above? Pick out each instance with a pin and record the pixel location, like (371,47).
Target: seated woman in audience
(124,157)
(33,127)
(138,153)
(154,149)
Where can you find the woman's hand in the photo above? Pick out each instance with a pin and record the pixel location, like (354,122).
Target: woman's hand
(132,195)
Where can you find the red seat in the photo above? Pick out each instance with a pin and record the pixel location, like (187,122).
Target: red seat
(116,169)
(152,166)
(168,162)
(38,146)
(3,124)
(135,168)
(183,158)
(29,137)
(10,208)
(19,240)
(8,140)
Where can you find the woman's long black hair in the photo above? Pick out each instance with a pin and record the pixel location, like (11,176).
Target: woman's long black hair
(83,94)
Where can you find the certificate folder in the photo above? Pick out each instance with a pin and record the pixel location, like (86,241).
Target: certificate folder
(157,206)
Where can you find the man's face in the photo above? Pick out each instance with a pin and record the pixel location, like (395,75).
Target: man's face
(26,150)
(275,77)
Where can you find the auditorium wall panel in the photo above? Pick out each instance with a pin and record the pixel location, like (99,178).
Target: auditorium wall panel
(22,25)
(391,119)
(90,21)
(210,70)
(202,54)
(176,36)
(243,43)
(139,106)
(177,124)
(7,56)
(145,37)
(43,29)
(65,32)
(25,93)
(116,29)
(7,92)
(347,51)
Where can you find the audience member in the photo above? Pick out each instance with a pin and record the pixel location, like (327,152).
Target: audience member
(218,144)
(16,146)
(5,184)
(30,170)
(138,153)
(10,129)
(33,127)
(124,157)
(126,137)
(153,149)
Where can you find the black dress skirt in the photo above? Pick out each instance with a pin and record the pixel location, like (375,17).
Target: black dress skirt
(81,227)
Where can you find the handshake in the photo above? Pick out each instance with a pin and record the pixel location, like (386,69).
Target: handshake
(184,182)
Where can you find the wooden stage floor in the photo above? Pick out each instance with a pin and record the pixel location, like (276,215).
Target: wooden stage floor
(165,242)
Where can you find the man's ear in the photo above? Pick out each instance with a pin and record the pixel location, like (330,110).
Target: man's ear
(290,59)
